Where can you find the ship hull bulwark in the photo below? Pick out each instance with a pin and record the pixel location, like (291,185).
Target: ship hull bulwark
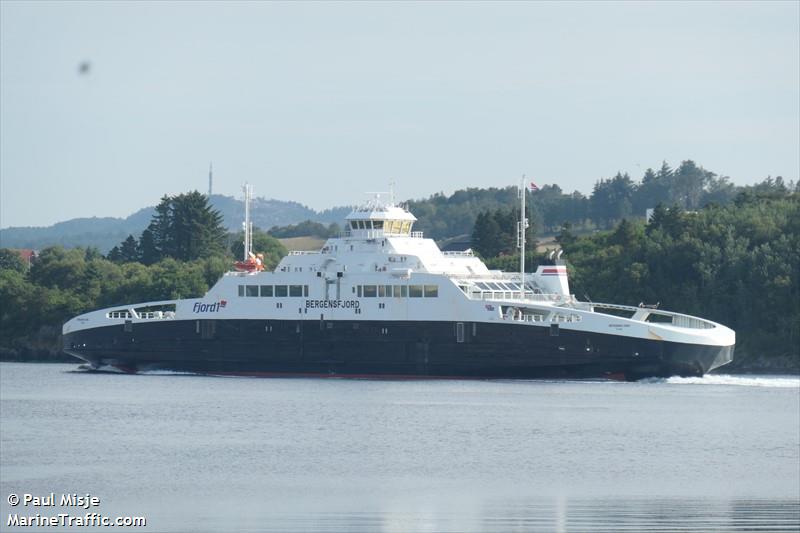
(399,349)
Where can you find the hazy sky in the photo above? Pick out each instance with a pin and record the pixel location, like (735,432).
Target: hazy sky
(320,102)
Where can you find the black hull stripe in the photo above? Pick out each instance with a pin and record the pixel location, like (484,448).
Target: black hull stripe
(415,349)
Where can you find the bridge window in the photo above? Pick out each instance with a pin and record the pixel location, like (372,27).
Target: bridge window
(406,228)
(378,224)
(281,291)
(353,224)
(431,291)
(266,290)
(415,291)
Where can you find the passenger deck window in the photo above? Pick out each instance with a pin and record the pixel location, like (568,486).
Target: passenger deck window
(295,290)
(251,290)
(241,290)
(370,291)
(266,290)
(281,291)
(415,291)
(431,291)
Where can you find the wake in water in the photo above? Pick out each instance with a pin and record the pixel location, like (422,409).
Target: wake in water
(781,382)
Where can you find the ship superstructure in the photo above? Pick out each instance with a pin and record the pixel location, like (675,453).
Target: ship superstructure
(380,299)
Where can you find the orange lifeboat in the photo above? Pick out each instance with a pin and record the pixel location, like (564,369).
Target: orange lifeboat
(254,263)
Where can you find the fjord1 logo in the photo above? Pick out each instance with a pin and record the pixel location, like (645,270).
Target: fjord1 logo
(200,307)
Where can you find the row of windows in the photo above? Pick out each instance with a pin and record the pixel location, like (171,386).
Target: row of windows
(397,291)
(366,291)
(278,291)
(390,226)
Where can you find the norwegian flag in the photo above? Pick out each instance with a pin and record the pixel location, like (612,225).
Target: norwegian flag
(533,187)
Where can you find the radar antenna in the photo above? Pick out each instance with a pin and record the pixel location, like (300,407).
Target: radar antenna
(248,224)
(522,225)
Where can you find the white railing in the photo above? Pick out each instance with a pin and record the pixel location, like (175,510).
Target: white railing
(685,321)
(643,313)
(304,252)
(157,315)
(465,253)
(416,234)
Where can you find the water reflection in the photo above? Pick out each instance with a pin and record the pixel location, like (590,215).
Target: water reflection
(559,515)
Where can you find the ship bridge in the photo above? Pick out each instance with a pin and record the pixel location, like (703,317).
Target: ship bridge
(376,219)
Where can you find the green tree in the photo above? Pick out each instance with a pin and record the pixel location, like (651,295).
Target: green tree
(611,199)
(196,228)
(486,235)
(147,251)
(11,260)
(129,251)
(162,231)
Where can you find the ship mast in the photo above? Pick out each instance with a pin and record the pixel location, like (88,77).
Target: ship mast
(248,224)
(522,225)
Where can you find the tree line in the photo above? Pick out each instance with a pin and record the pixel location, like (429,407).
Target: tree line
(688,186)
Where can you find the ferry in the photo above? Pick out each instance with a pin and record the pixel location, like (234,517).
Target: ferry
(381,300)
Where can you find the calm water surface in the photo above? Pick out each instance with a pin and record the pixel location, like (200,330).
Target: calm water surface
(193,453)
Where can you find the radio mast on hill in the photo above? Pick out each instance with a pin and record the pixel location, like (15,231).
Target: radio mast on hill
(210,177)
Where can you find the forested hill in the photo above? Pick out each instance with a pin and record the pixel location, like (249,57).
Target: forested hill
(104,233)
(689,186)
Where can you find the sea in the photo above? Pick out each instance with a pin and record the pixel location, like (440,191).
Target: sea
(223,454)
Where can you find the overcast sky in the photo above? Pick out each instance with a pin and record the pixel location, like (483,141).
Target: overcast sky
(321,102)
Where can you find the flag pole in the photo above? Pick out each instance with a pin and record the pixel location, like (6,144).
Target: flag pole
(521,235)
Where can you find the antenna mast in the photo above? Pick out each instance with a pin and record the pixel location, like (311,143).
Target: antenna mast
(210,176)
(522,225)
(248,224)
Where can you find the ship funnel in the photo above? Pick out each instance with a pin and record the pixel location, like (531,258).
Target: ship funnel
(552,279)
